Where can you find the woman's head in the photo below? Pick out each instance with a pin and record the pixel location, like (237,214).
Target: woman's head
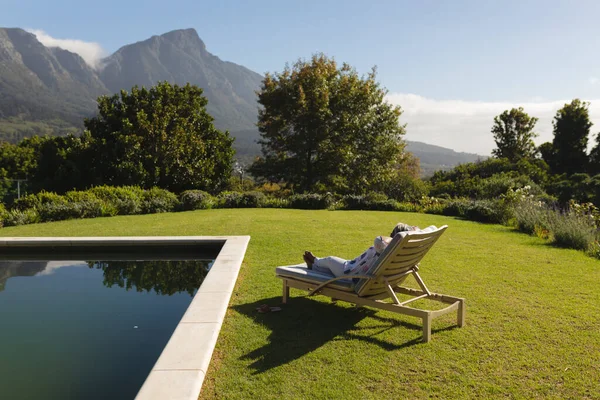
(402,227)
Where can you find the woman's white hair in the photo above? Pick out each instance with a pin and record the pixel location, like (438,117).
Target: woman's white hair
(402,227)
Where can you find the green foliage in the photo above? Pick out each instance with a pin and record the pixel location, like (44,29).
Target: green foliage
(513,134)
(241,200)
(160,137)
(488,211)
(157,200)
(195,200)
(311,201)
(3,214)
(30,201)
(579,187)
(574,232)
(571,129)
(60,163)
(489,179)
(594,166)
(571,228)
(546,151)
(17,217)
(275,202)
(404,187)
(324,127)
(124,200)
(372,201)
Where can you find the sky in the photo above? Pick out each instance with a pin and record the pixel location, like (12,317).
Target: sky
(451,65)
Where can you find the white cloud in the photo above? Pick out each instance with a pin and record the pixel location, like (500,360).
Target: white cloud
(52,266)
(91,52)
(594,80)
(466,125)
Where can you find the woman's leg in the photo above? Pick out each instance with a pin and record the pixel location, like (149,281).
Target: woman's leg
(333,265)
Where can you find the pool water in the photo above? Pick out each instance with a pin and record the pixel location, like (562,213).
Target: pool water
(88,329)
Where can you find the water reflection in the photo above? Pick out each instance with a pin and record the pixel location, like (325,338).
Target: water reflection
(162,277)
(8,269)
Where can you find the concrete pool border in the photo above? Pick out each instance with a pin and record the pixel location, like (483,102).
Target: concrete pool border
(182,365)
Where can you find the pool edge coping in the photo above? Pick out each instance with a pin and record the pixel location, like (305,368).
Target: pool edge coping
(179,372)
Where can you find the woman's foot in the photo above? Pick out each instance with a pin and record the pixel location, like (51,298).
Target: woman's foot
(309,259)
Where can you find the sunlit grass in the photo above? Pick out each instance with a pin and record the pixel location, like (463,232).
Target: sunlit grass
(532,311)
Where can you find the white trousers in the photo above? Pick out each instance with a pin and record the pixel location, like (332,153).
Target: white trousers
(330,265)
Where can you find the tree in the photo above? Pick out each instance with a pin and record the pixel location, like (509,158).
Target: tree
(160,136)
(513,133)
(571,129)
(546,152)
(326,128)
(594,166)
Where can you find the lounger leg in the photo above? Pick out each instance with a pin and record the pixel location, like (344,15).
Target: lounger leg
(427,328)
(461,314)
(286,292)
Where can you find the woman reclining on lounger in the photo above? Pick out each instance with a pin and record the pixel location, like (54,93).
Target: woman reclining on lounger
(361,264)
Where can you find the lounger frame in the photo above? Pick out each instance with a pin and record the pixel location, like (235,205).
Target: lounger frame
(383,286)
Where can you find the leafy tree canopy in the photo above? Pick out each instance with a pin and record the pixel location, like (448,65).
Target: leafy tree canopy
(513,133)
(323,127)
(160,136)
(571,129)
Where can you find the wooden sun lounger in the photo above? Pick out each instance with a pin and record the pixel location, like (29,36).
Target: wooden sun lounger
(399,260)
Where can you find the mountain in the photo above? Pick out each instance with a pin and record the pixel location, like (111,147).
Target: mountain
(181,57)
(434,158)
(8,269)
(50,90)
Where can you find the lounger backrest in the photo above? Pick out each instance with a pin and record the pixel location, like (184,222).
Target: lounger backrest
(406,250)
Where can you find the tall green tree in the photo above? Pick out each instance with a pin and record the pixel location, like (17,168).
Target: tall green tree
(513,133)
(594,166)
(571,129)
(546,152)
(324,127)
(160,136)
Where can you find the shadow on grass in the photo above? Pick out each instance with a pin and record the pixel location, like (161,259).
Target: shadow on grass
(304,325)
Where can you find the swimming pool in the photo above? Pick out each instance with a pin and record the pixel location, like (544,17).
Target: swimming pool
(89,317)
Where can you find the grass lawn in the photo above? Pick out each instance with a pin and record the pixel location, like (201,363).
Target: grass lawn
(532,326)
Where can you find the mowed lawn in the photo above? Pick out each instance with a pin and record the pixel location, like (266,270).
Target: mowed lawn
(532,324)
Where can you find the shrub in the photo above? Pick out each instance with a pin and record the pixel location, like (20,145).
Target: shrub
(407,207)
(241,200)
(311,201)
(483,211)
(432,205)
(17,217)
(488,211)
(157,200)
(276,203)
(88,205)
(499,184)
(3,214)
(252,199)
(58,211)
(572,231)
(373,201)
(533,217)
(27,202)
(125,200)
(406,188)
(195,200)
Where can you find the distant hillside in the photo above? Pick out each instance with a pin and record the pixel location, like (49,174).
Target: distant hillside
(434,158)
